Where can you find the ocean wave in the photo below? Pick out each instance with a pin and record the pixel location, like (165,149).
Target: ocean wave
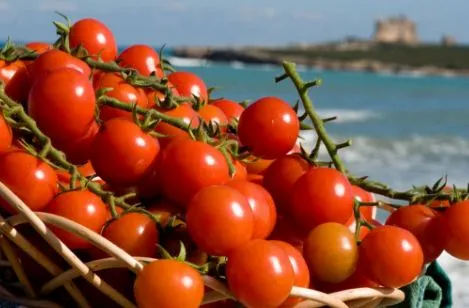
(348,115)
(187,62)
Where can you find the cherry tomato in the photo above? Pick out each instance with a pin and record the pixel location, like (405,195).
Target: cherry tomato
(183,112)
(6,135)
(122,153)
(78,151)
(188,166)
(331,252)
(9,69)
(424,223)
(168,284)
(164,210)
(31,179)
(454,224)
(219,219)
(442,203)
(17,88)
(63,104)
(189,84)
(253,267)
(155,97)
(270,127)
(83,207)
(241,173)
(85,170)
(214,115)
(282,174)
(393,256)
(287,231)
(39,47)
(258,165)
(300,269)
(142,58)
(262,206)
(367,213)
(135,233)
(95,37)
(231,108)
(321,195)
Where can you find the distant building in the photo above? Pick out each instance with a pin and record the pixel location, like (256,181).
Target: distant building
(396,30)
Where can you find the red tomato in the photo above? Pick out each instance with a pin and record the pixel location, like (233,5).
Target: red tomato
(142,58)
(31,179)
(63,104)
(270,127)
(135,233)
(282,174)
(9,69)
(442,203)
(39,47)
(55,59)
(262,206)
(241,173)
(287,231)
(183,112)
(188,166)
(219,219)
(454,224)
(6,135)
(189,84)
(424,223)
(83,207)
(300,269)
(17,88)
(64,177)
(95,37)
(213,114)
(168,284)
(122,153)
(367,213)
(154,97)
(393,256)
(231,108)
(258,165)
(331,252)
(321,195)
(164,210)
(78,151)
(253,267)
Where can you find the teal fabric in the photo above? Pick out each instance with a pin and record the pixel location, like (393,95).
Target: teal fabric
(433,290)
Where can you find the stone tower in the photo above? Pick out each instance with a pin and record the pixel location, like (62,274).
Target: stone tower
(396,30)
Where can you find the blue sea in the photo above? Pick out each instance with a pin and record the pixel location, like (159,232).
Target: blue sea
(405,129)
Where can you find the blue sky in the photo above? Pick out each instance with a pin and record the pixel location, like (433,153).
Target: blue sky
(222,22)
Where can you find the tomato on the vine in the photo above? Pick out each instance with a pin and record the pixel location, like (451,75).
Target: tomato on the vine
(187,166)
(232,109)
(393,256)
(269,126)
(95,37)
(78,151)
(213,115)
(189,84)
(287,230)
(456,229)
(142,58)
(122,153)
(367,212)
(38,47)
(168,284)
(260,274)
(241,173)
(31,179)
(262,205)
(256,165)
(135,233)
(156,97)
(163,210)
(55,59)
(219,219)
(321,195)
(6,135)
(443,203)
(80,206)
(331,252)
(9,69)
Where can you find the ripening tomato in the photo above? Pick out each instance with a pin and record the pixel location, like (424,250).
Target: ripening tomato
(63,104)
(231,108)
(80,206)
(282,174)
(300,269)
(286,230)
(95,37)
(214,115)
(142,58)
(424,223)
(321,195)
(393,256)
(168,284)
(219,219)
(183,112)
(456,229)
(270,127)
(188,166)
(136,233)
(6,135)
(78,151)
(31,179)
(251,270)
(189,84)
(262,206)
(39,47)
(331,252)
(122,153)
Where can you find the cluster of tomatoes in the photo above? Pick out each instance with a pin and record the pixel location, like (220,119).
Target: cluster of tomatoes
(246,204)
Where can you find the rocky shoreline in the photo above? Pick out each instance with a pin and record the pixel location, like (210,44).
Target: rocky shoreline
(251,55)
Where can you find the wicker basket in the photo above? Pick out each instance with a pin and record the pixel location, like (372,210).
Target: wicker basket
(363,297)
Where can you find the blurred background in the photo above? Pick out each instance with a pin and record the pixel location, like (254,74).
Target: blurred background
(395,73)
